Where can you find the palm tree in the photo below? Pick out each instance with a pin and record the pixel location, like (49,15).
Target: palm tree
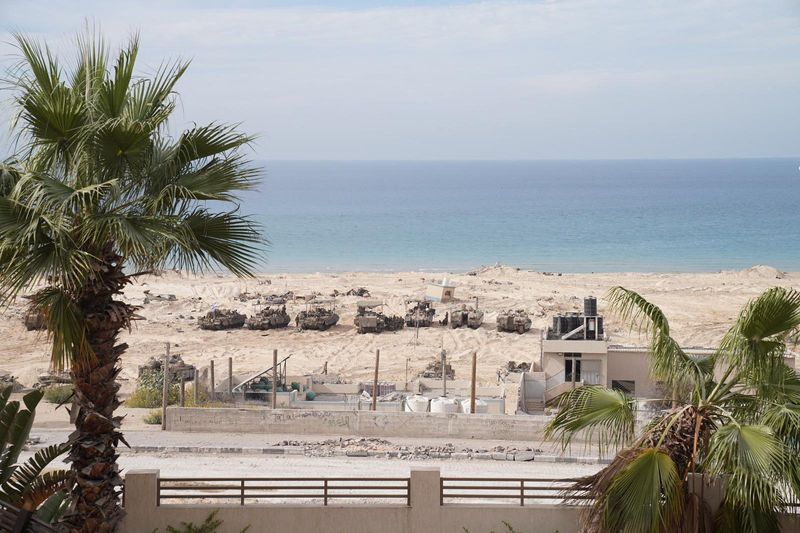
(735,417)
(98,193)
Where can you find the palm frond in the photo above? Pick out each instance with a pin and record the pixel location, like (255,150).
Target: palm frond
(668,362)
(756,344)
(596,412)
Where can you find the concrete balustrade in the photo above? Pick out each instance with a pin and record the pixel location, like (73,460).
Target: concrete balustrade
(424,515)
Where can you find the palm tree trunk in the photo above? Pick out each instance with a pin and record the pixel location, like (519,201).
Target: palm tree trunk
(96,490)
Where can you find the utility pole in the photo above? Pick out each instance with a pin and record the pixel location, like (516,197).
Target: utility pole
(472,388)
(274,379)
(165,392)
(213,392)
(444,373)
(230,379)
(375,381)
(196,387)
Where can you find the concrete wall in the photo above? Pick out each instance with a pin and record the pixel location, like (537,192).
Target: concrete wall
(635,366)
(425,515)
(362,423)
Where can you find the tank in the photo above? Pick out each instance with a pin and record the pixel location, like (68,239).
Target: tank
(513,321)
(269,318)
(370,320)
(319,318)
(34,320)
(444,405)
(466,317)
(590,306)
(421,315)
(600,330)
(417,404)
(219,319)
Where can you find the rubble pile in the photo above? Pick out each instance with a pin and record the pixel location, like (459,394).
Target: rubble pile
(34,320)
(377,447)
(177,367)
(434,371)
(513,366)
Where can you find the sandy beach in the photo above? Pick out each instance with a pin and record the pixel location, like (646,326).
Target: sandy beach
(700,306)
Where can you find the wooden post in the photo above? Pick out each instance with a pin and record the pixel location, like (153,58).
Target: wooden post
(375,381)
(230,378)
(444,373)
(212,394)
(472,388)
(196,387)
(325,368)
(274,379)
(165,391)
(183,391)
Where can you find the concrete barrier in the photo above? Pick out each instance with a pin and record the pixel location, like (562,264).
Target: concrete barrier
(361,423)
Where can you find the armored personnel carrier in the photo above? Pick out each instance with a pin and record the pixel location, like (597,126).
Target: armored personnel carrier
(420,315)
(371,319)
(219,319)
(513,321)
(319,315)
(269,318)
(470,317)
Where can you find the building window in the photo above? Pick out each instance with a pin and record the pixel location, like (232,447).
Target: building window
(628,386)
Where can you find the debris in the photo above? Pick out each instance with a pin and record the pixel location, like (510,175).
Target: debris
(434,371)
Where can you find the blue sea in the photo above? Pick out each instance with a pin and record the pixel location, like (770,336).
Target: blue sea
(566,216)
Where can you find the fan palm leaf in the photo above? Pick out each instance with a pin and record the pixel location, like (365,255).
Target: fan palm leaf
(100,187)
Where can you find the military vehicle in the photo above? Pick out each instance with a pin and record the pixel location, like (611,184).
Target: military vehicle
(319,315)
(218,319)
(269,318)
(470,317)
(420,315)
(513,321)
(371,319)
(34,320)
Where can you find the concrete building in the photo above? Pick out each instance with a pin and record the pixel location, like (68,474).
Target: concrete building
(576,352)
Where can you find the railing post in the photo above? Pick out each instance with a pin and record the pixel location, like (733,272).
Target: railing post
(325,492)
(408,492)
(522,492)
(441,491)
(242,492)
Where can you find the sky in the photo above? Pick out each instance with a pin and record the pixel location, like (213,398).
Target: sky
(556,79)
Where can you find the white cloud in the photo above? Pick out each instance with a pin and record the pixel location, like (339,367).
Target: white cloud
(488,79)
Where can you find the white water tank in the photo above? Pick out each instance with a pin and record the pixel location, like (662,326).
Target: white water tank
(480,406)
(444,405)
(417,404)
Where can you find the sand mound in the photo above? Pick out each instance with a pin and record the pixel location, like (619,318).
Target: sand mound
(759,272)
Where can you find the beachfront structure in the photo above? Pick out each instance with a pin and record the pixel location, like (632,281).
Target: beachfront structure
(576,352)
(441,291)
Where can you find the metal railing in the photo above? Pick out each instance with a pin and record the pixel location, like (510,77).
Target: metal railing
(508,490)
(286,490)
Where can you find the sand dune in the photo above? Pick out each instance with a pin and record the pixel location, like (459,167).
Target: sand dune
(700,307)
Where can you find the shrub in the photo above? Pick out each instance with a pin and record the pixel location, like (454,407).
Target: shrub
(149,390)
(58,393)
(153,417)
